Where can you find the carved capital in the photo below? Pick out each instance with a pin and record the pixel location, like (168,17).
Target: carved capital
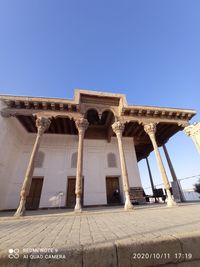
(193,129)
(118,127)
(81,125)
(42,124)
(150,128)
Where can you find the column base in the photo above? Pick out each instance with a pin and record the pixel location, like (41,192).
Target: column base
(19,213)
(78,207)
(128,205)
(21,209)
(170,201)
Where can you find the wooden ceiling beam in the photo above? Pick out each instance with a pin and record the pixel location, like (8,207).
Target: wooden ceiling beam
(108,119)
(33,119)
(109,134)
(70,127)
(23,122)
(137,130)
(61,124)
(164,137)
(53,126)
(31,124)
(129,129)
(58,127)
(64,122)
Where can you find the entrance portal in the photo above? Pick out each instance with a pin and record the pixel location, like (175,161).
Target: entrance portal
(112,189)
(33,199)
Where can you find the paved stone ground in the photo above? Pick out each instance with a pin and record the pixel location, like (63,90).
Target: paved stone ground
(63,229)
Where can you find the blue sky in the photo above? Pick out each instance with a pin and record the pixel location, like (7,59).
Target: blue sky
(146,49)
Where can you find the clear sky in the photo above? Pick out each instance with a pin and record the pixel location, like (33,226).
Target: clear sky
(146,49)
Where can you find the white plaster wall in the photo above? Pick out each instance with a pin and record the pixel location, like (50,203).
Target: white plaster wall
(56,168)
(12,136)
(96,168)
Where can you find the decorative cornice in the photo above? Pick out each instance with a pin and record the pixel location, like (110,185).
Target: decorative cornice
(146,120)
(8,112)
(76,105)
(158,112)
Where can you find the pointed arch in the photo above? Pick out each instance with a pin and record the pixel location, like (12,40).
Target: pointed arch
(92,116)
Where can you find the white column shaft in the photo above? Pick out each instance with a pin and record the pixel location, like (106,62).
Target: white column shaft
(118,129)
(150,129)
(160,164)
(81,125)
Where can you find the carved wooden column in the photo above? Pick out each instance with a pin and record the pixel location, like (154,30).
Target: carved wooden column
(150,129)
(81,125)
(118,128)
(42,124)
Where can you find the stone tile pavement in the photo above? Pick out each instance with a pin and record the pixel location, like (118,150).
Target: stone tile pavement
(100,237)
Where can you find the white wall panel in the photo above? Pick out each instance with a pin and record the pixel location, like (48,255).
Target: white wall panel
(16,146)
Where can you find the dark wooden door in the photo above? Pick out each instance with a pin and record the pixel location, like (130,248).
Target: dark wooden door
(112,189)
(33,199)
(71,196)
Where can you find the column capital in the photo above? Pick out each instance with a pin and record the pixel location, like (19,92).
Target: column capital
(81,125)
(150,128)
(193,129)
(118,127)
(42,124)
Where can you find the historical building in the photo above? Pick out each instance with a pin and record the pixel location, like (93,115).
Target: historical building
(80,152)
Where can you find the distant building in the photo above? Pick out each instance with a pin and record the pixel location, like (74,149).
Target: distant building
(191,195)
(69,153)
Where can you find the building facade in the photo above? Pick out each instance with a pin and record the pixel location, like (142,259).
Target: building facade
(80,152)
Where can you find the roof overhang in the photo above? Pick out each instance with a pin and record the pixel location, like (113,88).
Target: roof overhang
(64,111)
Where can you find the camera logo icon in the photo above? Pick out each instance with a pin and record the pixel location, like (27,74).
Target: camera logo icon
(13,253)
